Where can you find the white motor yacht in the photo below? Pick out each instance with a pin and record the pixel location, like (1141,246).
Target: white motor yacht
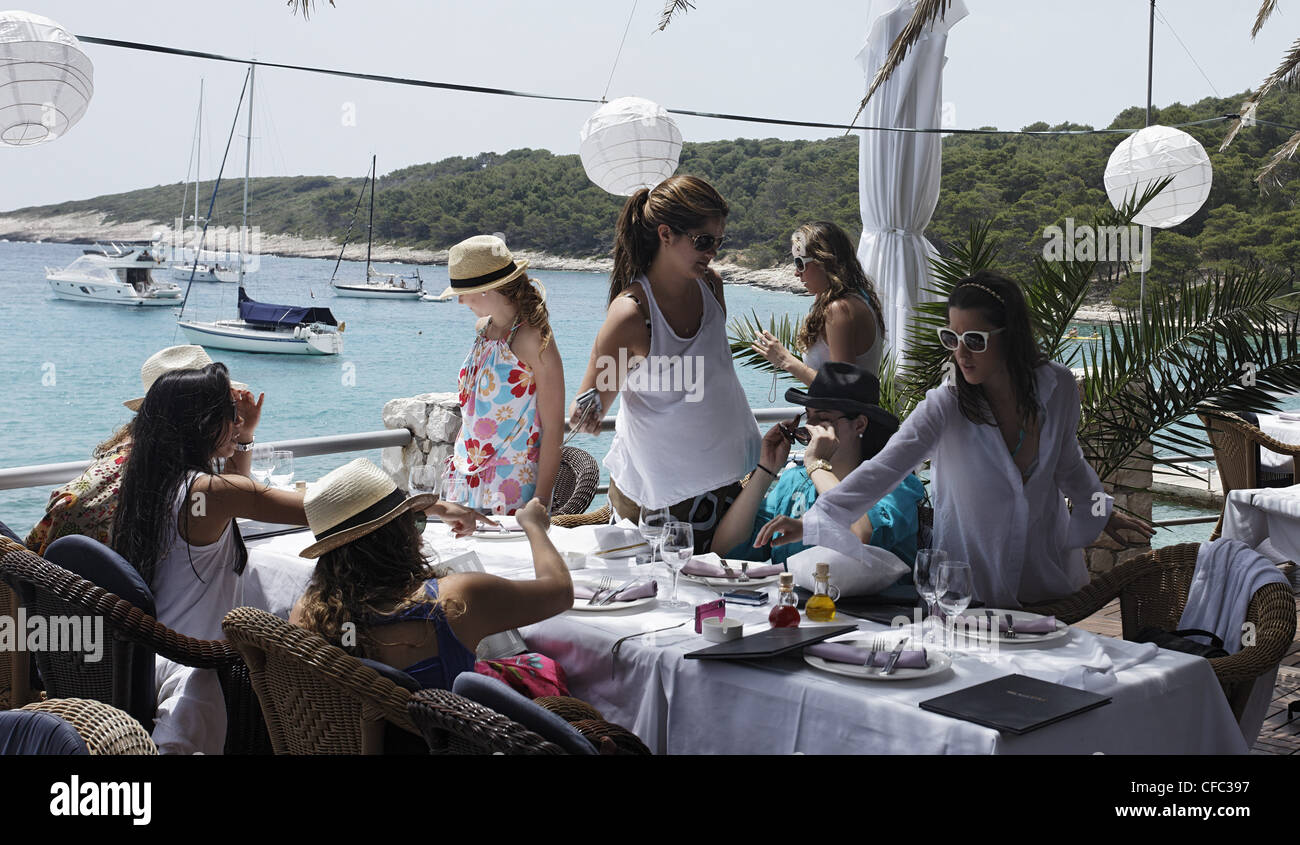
(121,277)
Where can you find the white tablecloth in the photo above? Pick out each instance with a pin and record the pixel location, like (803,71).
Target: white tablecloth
(1167,703)
(1287,431)
(1267,520)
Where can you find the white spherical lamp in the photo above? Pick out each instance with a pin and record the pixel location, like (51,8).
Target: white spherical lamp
(46,82)
(1154,153)
(628,144)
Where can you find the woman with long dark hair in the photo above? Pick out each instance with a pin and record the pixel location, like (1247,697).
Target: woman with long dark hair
(845,322)
(685,434)
(1003,441)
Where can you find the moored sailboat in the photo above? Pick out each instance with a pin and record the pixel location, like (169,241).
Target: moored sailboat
(376,285)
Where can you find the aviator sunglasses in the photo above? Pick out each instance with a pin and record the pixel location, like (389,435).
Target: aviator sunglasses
(974,341)
(705,242)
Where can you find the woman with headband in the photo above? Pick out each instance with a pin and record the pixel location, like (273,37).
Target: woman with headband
(1002,436)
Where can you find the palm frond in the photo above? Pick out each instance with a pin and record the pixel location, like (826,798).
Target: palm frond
(1286,72)
(923,16)
(1283,154)
(305,6)
(1265,11)
(671,7)
(745,330)
(890,399)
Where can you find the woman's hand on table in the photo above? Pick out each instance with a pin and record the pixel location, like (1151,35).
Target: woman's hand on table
(533,516)
(822,445)
(1123,522)
(776,446)
(780,531)
(771,349)
(462,520)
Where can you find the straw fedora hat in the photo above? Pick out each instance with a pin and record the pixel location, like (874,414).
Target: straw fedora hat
(352,501)
(169,360)
(481,263)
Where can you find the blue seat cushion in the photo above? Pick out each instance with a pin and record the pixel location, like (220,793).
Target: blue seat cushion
(102,567)
(397,676)
(4,529)
(495,695)
(30,732)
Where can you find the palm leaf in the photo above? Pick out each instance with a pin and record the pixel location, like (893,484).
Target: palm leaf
(745,330)
(304,6)
(671,7)
(923,16)
(1265,12)
(1286,72)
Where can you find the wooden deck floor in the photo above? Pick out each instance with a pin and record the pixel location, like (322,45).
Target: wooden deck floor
(1277,736)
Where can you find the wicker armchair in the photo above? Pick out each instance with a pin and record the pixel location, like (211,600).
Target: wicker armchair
(452,724)
(104,728)
(1236,443)
(134,637)
(589,722)
(576,481)
(1152,590)
(317,698)
(600,516)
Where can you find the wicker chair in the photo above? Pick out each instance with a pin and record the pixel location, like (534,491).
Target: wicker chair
(452,724)
(575,483)
(135,637)
(1152,590)
(1236,443)
(317,698)
(600,516)
(104,728)
(8,608)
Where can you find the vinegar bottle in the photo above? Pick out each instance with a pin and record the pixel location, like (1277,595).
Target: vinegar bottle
(821,607)
(786,612)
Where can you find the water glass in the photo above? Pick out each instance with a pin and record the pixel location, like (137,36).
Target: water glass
(651,524)
(924,574)
(953,588)
(678,546)
(260,466)
(281,468)
(424,480)
(454,488)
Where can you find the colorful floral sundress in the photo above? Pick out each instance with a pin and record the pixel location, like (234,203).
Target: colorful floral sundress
(500,438)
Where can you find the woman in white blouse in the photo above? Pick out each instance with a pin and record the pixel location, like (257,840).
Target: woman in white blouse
(844,322)
(1002,438)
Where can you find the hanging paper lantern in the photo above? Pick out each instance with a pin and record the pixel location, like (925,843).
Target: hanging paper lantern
(1154,153)
(46,82)
(628,144)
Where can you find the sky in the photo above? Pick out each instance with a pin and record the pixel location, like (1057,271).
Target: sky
(1010,63)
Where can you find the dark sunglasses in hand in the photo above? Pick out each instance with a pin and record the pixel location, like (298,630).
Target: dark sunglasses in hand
(705,242)
(793,434)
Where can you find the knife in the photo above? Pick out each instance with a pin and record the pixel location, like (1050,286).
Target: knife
(1011,627)
(893,657)
(609,597)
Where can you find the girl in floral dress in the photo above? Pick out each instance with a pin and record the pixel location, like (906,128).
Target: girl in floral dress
(511,384)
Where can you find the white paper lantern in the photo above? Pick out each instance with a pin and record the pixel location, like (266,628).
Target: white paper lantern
(628,144)
(1154,153)
(46,82)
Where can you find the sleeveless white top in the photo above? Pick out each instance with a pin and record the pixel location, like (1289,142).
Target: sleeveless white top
(684,426)
(189,603)
(820,352)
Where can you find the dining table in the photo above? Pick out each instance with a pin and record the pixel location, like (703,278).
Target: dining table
(1284,428)
(1267,519)
(632,663)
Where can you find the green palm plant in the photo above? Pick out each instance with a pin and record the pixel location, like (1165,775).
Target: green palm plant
(744,331)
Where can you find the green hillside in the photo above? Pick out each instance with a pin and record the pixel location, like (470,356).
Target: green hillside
(1024,184)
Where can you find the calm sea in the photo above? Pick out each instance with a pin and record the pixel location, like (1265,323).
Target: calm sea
(68,366)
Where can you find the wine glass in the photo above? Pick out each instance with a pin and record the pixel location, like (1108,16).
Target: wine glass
(924,574)
(259,469)
(953,589)
(651,524)
(423,480)
(281,468)
(678,543)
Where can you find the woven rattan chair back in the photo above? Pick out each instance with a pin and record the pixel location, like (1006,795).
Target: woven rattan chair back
(452,724)
(104,728)
(575,482)
(316,698)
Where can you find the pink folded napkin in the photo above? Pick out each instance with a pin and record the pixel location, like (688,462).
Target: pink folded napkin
(641,590)
(702,567)
(1041,625)
(846,653)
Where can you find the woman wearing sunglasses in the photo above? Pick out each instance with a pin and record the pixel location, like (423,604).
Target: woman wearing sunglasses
(685,434)
(846,426)
(845,322)
(1003,441)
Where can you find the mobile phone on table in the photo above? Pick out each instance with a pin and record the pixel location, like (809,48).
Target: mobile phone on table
(752,597)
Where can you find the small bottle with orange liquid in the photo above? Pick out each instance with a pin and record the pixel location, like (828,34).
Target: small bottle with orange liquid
(786,612)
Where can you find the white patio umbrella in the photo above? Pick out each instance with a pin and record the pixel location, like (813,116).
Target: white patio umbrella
(898,172)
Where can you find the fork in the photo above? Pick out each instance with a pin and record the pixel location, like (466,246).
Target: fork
(604,584)
(1011,627)
(877,644)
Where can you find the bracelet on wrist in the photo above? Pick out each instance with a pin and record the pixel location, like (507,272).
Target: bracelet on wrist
(244,447)
(765,469)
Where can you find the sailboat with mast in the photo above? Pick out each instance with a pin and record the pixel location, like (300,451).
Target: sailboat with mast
(200,267)
(262,326)
(376,285)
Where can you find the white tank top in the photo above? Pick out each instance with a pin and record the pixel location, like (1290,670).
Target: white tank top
(684,426)
(820,352)
(189,603)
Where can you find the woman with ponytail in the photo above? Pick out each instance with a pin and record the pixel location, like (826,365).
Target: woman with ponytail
(685,435)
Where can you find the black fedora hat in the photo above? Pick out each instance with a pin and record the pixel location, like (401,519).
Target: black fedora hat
(840,386)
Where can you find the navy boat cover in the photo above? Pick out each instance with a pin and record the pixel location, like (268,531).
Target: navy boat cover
(266,314)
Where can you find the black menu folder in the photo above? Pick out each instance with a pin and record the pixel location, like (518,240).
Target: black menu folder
(1015,704)
(771,642)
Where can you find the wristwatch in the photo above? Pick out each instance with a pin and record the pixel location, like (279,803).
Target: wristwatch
(820,463)
(244,447)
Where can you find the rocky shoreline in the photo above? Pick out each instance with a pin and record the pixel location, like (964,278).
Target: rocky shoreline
(90,227)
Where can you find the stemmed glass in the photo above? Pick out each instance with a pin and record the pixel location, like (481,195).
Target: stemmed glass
(678,545)
(456,490)
(925,573)
(953,588)
(281,468)
(424,480)
(259,469)
(651,524)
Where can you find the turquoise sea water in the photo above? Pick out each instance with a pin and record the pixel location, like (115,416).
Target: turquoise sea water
(68,366)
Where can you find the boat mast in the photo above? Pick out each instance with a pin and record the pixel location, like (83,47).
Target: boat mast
(198,161)
(370,227)
(248,156)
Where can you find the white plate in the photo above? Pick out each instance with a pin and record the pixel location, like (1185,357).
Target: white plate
(1021,637)
(939,661)
(509,523)
(581,604)
(728,583)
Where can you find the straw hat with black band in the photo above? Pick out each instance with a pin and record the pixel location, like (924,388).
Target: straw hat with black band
(482,263)
(840,386)
(352,501)
(169,360)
